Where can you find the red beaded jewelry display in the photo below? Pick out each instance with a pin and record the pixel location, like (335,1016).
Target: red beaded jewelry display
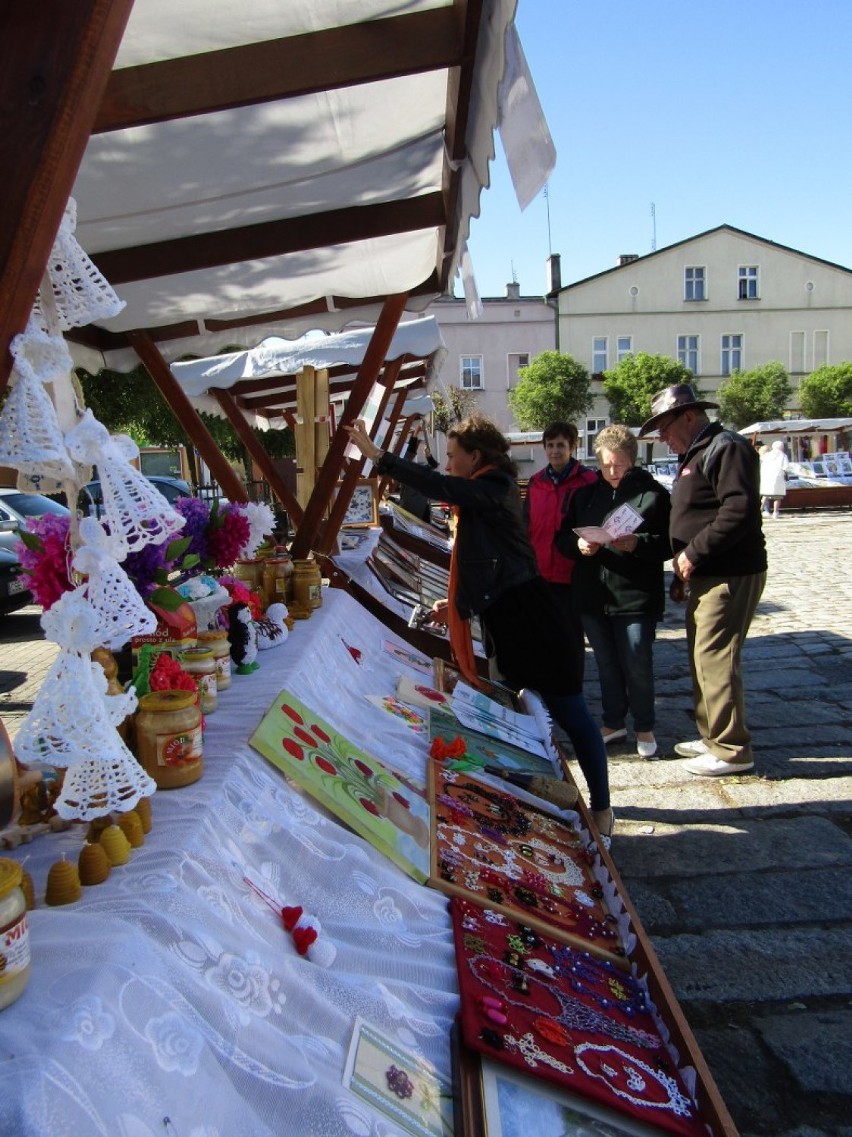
(568,1017)
(490,847)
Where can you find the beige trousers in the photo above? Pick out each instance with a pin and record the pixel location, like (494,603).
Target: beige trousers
(718,614)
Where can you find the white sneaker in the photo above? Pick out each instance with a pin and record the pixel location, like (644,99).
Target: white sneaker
(692,749)
(709,766)
(647,748)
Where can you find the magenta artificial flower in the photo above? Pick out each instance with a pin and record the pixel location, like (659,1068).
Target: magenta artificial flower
(228,536)
(46,570)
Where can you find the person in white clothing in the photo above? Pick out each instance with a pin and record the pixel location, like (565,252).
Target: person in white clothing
(773,463)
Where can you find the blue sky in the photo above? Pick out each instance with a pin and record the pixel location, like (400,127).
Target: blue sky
(731,112)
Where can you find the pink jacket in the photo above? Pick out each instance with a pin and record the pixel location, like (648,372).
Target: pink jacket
(544,509)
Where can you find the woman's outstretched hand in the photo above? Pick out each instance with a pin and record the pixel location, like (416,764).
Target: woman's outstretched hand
(359,436)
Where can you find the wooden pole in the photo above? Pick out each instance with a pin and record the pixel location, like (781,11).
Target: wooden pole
(57,58)
(255,448)
(392,311)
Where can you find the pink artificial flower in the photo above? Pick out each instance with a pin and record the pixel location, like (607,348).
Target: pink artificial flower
(45,569)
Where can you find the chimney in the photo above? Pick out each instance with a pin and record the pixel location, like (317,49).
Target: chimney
(626,258)
(513,291)
(554,272)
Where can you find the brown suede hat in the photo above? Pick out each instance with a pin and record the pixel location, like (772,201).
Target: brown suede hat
(679,397)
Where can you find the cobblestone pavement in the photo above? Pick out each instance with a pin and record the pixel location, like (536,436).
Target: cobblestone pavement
(743,883)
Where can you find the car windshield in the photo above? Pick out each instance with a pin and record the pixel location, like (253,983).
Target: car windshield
(31,504)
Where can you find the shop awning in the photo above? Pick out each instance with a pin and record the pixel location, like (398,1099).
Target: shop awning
(798,426)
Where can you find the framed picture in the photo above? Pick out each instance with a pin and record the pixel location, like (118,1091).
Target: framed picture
(510,1104)
(363,509)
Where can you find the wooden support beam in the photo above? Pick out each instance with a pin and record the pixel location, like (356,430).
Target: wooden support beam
(188,417)
(374,357)
(325,543)
(256,449)
(57,58)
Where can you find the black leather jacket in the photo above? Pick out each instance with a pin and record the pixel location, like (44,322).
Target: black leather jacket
(492,546)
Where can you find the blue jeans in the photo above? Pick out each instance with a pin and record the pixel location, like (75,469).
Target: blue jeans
(623,647)
(573,715)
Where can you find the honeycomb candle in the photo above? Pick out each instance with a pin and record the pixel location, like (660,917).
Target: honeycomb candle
(63,884)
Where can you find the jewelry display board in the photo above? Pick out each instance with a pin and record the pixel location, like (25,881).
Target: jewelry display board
(495,849)
(569,1018)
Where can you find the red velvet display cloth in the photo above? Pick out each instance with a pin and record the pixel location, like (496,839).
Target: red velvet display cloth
(568,1017)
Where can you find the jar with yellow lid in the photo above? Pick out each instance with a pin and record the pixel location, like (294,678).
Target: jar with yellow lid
(15,959)
(200,664)
(307,584)
(168,738)
(216,640)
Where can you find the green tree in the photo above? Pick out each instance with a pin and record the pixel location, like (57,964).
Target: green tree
(131,403)
(451,408)
(755,396)
(631,385)
(553,386)
(827,392)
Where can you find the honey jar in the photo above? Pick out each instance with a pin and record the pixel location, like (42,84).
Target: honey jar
(277,579)
(216,641)
(15,961)
(168,738)
(201,665)
(307,584)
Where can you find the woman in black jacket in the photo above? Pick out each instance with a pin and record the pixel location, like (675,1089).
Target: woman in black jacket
(495,576)
(618,585)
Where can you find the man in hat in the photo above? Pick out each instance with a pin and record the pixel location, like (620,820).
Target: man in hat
(719,552)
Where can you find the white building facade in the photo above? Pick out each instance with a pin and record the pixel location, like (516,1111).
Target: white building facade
(722,301)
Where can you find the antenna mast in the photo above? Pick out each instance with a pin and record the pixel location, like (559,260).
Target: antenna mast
(547,199)
(653,228)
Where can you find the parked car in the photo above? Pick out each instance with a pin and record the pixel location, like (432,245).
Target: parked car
(92,499)
(13,593)
(15,507)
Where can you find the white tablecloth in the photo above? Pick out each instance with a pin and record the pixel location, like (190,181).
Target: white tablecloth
(172,991)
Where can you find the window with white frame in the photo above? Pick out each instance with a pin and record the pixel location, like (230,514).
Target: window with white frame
(687,352)
(732,354)
(515,361)
(797,353)
(593,425)
(747,282)
(471,372)
(623,348)
(599,353)
(694,282)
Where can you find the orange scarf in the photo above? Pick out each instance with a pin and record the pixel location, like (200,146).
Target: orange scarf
(461,641)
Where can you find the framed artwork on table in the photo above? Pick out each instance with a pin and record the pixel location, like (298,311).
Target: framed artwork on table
(506,1103)
(363,509)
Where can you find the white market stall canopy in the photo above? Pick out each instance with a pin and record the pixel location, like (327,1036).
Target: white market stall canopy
(246,170)
(262,380)
(798,426)
(287,166)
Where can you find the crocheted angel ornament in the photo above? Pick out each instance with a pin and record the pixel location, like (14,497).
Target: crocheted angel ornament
(73,721)
(108,589)
(31,439)
(133,507)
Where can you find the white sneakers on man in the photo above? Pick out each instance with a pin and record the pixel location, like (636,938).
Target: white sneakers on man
(709,766)
(691,749)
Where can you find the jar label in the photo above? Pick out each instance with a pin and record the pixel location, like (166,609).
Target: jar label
(223,670)
(14,949)
(207,690)
(179,749)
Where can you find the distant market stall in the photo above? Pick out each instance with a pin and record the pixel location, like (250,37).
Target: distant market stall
(820,472)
